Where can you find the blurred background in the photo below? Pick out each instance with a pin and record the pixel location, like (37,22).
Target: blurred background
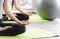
(30,5)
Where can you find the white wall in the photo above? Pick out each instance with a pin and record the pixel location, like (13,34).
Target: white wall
(58,3)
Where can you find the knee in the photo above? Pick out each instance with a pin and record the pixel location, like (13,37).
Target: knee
(20,28)
(22,17)
(26,17)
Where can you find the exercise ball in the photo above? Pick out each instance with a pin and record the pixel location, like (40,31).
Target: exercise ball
(47,9)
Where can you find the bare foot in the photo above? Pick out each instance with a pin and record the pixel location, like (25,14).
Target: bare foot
(5,28)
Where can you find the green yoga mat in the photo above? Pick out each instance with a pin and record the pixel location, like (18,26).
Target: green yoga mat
(31,33)
(37,18)
(32,19)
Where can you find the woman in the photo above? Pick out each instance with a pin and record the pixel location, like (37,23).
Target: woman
(11,29)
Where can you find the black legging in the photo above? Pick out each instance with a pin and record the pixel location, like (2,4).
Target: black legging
(16,28)
(19,16)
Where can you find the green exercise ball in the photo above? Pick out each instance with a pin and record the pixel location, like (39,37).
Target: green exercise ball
(47,9)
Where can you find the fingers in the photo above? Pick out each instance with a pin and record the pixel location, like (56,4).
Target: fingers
(30,14)
(23,22)
(26,22)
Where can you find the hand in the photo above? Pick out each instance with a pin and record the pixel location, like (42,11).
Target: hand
(26,22)
(29,13)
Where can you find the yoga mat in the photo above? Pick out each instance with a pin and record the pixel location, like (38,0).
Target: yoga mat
(31,33)
(36,18)
(9,22)
(33,18)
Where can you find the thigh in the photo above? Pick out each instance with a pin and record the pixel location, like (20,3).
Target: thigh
(6,24)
